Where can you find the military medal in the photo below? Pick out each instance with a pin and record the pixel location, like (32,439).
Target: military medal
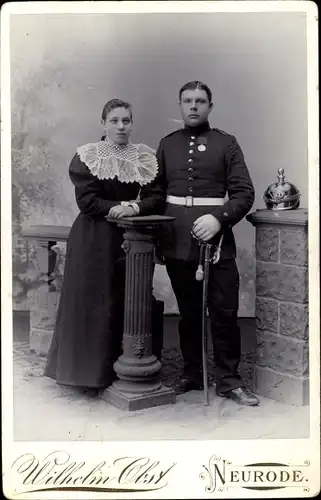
(201,141)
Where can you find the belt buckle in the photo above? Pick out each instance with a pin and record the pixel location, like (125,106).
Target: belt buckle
(189,201)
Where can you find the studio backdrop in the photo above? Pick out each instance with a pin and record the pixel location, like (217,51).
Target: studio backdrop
(65,67)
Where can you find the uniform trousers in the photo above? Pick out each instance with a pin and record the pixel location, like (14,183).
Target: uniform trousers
(223,303)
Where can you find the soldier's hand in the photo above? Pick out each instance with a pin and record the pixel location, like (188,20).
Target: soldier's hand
(206,227)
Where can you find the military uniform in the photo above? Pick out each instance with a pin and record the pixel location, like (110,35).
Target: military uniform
(201,162)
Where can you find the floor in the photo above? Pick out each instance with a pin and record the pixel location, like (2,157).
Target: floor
(44,411)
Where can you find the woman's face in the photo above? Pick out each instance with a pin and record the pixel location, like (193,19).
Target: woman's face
(118,125)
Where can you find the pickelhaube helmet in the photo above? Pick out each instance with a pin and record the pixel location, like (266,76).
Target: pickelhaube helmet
(282,195)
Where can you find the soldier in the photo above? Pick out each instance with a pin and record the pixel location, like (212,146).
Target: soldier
(198,166)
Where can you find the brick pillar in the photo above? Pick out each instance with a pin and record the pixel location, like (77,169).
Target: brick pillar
(281,369)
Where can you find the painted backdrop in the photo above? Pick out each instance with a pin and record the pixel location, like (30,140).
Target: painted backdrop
(65,67)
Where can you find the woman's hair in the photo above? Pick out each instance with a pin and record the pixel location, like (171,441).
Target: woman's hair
(113,104)
(195,84)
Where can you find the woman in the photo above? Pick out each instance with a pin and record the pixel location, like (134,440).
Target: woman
(88,332)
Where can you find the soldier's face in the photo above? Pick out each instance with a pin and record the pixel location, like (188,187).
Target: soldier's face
(118,125)
(195,107)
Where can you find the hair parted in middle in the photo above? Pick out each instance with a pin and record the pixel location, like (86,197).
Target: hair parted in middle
(113,104)
(196,84)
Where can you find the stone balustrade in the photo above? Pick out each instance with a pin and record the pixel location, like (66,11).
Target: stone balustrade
(44,299)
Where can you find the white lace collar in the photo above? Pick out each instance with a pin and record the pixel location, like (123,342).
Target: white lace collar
(129,163)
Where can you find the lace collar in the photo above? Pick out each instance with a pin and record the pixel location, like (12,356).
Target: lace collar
(129,163)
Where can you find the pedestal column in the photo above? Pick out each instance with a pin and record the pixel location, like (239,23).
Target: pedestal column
(281,369)
(138,385)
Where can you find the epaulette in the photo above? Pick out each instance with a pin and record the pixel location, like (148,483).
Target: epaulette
(220,131)
(172,133)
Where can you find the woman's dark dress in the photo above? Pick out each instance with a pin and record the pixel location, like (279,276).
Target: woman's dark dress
(88,331)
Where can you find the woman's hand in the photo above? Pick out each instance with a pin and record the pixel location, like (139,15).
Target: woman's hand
(120,211)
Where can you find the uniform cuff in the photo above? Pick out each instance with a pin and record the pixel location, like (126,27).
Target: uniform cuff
(134,206)
(223,218)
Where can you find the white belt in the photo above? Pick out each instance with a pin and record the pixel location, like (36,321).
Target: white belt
(190,201)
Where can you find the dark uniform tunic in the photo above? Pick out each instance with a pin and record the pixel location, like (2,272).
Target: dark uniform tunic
(220,170)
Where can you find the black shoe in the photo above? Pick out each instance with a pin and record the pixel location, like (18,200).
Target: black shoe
(242,396)
(186,384)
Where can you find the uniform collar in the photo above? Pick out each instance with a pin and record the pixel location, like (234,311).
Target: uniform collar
(199,129)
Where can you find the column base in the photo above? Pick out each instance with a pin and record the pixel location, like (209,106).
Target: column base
(40,340)
(281,386)
(133,401)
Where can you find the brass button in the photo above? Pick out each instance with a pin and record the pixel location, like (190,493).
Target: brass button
(190,160)
(192,137)
(192,143)
(191,151)
(190,169)
(190,189)
(225,214)
(190,178)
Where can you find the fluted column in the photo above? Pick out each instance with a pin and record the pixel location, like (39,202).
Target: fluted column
(138,385)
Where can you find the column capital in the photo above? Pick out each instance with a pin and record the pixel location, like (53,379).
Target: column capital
(297,217)
(141,221)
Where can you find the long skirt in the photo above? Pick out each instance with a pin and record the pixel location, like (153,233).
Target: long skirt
(88,332)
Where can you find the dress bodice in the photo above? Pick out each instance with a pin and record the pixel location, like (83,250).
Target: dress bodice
(105,174)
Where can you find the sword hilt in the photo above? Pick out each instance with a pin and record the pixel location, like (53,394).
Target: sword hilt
(217,254)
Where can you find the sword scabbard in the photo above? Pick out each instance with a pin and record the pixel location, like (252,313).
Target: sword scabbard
(204,321)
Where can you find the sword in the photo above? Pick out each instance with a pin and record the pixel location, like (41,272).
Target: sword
(204,321)
(202,274)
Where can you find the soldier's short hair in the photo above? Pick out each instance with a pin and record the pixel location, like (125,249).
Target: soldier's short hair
(196,84)
(113,104)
